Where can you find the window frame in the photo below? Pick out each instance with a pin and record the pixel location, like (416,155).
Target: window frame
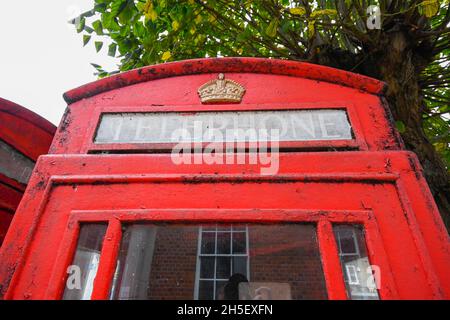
(215,255)
(355,243)
(355,274)
(357,253)
(324,220)
(358,141)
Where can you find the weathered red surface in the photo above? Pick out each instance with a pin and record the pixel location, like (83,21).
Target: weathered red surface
(23,129)
(264,92)
(368,180)
(228,65)
(31,135)
(339,187)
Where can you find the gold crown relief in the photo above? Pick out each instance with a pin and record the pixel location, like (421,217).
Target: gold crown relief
(221,90)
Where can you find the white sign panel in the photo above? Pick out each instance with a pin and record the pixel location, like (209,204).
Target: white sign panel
(175,127)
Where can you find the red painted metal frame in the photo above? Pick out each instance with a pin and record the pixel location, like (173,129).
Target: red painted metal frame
(29,134)
(422,255)
(174,88)
(24,130)
(229,65)
(322,219)
(358,142)
(383,190)
(83,118)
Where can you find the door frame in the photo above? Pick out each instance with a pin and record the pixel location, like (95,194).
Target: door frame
(323,219)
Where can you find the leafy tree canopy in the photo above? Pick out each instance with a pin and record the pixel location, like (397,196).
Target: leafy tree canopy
(409,49)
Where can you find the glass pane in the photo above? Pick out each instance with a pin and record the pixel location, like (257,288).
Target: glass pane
(293,125)
(14,164)
(285,260)
(207,267)
(239,243)
(156,262)
(240,265)
(208,242)
(220,290)
(358,274)
(206,290)
(82,272)
(223,242)
(223,267)
(347,241)
(169,261)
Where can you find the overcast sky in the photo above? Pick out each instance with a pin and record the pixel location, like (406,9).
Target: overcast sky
(42,56)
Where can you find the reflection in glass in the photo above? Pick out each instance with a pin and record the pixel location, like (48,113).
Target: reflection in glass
(207,267)
(358,274)
(80,282)
(228,261)
(209,243)
(206,262)
(206,290)
(239,242)
(240,265)
(14,164)
(223,242)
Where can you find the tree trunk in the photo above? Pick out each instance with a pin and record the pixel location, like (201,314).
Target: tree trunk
(397,62)
(400,67)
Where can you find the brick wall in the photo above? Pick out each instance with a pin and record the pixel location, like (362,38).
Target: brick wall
(278,253)
(287,254)
(174,263)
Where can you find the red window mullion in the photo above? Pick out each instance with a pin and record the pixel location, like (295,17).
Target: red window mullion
(66,254)
(108,258)
(327,245)
(334,277)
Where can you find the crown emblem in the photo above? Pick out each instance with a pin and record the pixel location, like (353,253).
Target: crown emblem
(221,90)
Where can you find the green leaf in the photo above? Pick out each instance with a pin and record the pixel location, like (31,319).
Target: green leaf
(98,45)
(88,29)
(166,56)
(175,25)
(100,7)
(98,27)
(271,30)
(429,8)
(112,49)
(80,25)
(299,11)
(127,13)
(96,66)
(86,39)
(400,126)
(117,6)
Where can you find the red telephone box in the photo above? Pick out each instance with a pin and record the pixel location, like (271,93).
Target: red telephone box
(24,136)
(285,180)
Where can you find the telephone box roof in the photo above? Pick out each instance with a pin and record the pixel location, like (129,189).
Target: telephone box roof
(227,65)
